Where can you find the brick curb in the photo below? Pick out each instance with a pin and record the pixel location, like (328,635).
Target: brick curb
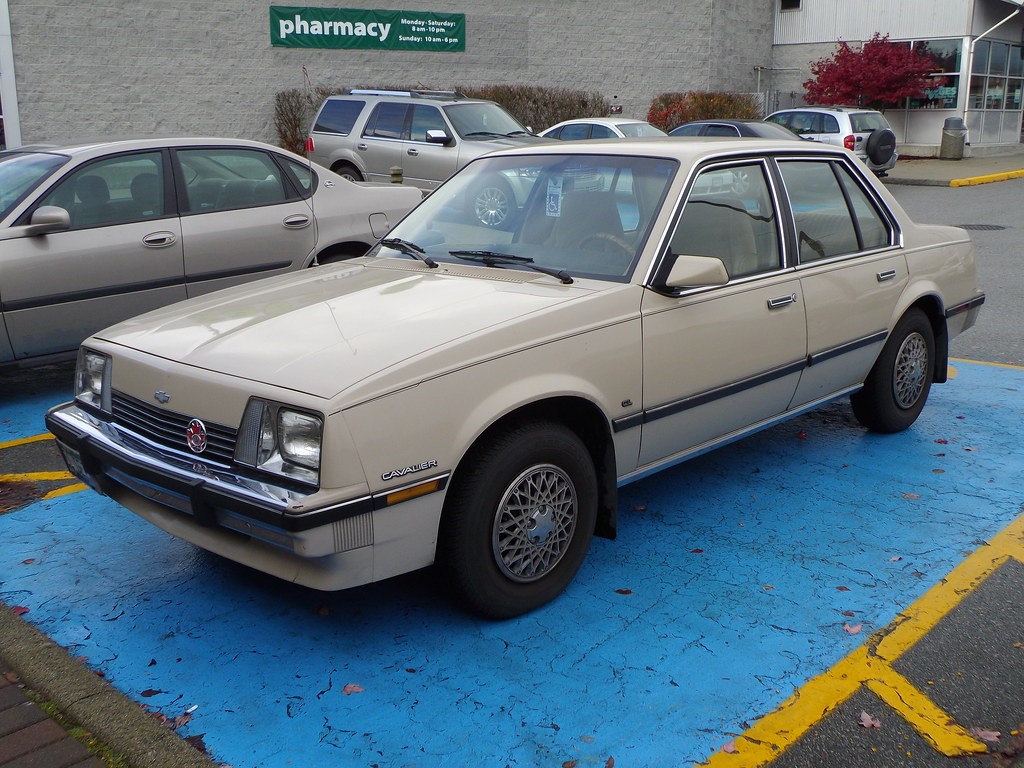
(91,701)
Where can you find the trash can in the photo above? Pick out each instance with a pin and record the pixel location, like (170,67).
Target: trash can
(954,134)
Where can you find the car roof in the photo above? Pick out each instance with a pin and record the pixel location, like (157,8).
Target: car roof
(687,149)
(820,108)
(601,120)
(86,149)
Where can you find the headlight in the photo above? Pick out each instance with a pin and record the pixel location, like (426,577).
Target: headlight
(279,439)
(92,379)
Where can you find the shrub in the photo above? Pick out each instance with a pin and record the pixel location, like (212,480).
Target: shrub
(669,110)
(532,105)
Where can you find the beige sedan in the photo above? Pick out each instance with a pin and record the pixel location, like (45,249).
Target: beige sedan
(95,233)
(474,397)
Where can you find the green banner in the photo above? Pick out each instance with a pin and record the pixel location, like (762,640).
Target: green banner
(302,27)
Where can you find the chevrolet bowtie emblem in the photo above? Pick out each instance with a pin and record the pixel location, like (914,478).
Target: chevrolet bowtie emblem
(161,397)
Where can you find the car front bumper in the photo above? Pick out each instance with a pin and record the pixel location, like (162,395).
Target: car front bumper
(274,529)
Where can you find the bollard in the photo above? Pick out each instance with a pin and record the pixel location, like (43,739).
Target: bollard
(396,174)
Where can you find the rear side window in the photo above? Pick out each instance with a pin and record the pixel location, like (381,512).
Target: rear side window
(829,124)
(865,122)
(832,213)
(338,116)
(387,121)
(722,130)
(601,132)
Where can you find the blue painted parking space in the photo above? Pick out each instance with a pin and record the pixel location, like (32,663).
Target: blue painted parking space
(736,577)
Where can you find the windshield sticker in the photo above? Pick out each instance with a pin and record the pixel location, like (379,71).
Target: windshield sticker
(554,199)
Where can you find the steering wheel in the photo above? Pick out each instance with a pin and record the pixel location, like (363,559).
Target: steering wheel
(607,237)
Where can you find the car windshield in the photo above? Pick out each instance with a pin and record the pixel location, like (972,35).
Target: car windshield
(640,130)
(582,215)
(482,120)
(21,172)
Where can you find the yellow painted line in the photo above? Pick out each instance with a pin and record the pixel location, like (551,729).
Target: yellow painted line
(987,179)
(871,665)
(35,477)
(983,362)
(26,441)
(75,488)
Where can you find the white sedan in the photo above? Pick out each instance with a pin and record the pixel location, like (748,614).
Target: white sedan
(473,397)
(601,128)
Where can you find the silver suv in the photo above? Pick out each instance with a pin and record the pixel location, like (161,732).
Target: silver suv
(362,134)
(866,132)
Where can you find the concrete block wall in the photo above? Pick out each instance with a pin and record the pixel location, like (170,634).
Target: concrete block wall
(116,68)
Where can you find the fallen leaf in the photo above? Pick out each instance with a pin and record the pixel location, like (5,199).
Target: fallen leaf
(19,610)
(176,722)
(801,435)
(843,589)
(640,507)
(351,688)
(730,748)
(849,613)
(697,551)
(942,441)
(587,739)
(911,495)
(609,763)
(895,559)
(970,449)
(624,591)
(29,561)
(570,764)
(12,678)
(939,471)
(854,630)
(767,587)
(149,692)
(985,735)
(867,721)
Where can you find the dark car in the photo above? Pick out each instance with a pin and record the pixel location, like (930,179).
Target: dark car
(752,128)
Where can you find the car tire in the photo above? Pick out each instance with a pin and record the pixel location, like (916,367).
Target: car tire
(881,146)
(492,203)
(519,520)
(897,387)
(347,171)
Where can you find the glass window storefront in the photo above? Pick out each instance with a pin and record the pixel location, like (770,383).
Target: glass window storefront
(944,85)
(994,98)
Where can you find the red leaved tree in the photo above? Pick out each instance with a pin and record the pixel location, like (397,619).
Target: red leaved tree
(879,74)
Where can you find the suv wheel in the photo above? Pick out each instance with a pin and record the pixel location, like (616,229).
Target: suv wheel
(881,145)
(347,171)
(492,203)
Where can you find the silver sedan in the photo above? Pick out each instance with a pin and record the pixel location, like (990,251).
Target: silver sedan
(95,233)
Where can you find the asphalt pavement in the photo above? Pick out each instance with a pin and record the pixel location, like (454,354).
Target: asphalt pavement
(965,657)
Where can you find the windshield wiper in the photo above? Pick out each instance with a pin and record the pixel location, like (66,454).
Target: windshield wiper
(495,259)
(481,133)
(409,249)
(520,133)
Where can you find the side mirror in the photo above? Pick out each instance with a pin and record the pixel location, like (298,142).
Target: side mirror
(47,219)
(439,137)
(696,272)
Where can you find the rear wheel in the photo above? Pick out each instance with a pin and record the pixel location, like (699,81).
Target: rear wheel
(520,520)
(347,171)
(896,389)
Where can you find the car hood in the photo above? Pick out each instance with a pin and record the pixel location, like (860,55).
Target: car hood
(325,330)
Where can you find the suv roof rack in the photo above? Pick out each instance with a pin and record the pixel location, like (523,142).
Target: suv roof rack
(410,94)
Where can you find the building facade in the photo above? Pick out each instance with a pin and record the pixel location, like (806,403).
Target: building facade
(117,68)
(976,43)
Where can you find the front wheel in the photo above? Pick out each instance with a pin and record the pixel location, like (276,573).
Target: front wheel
(896,389)
(519,522)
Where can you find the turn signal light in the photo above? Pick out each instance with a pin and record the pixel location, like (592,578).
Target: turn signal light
(849,142)
(309,144)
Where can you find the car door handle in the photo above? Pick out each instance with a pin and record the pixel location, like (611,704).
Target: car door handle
(361,147)
(889,274)
(413,151)
(296,221)
(159,239)
(782,301)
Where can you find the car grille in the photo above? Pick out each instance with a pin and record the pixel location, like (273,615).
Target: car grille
(168,428)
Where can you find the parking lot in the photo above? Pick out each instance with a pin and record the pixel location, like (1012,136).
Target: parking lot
(759,598)
(736,578)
